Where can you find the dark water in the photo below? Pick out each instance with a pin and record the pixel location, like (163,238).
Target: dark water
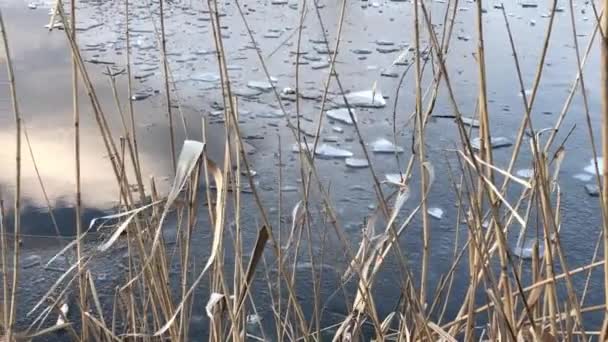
(42,65)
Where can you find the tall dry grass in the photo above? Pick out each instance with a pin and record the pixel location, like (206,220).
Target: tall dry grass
(537,301)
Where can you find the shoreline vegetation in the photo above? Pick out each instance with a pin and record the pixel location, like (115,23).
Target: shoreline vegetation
(525,293)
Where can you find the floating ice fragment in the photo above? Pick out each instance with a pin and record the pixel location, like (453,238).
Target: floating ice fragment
(319,65)
(272,34)
(356,162)
(288,91)
(252,172)
(394,178)
(341,115)
(383,145)
(362,51)
(31,261)
(253,319)
(328,151)
(525,173)
(366,98)
(206,77)
(529,4)
(140,96)
(382,42)
(302,146)
(311,58)
(387,49)
(470,122)
(261,85)
(247,92)
(592,189)
(435,213)
(591,167)
(495,142)
(525,251)
(322,50)
(275,114)
(391,74)
(289,188)
(582,177)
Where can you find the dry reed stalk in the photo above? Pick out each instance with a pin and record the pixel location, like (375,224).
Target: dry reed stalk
(231,112)
(40,182)
(310,159)
(573,88)
(383,205)
(158,288)
(163,49)
(462,132)
(426,229)
(133,132)
(604,198)
(5,267)
(486,155)
(526,122)
(100,118)
(413,319)
(132,153)
(17,209)
(78,193)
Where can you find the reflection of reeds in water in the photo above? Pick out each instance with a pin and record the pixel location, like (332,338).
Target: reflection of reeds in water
(522,301)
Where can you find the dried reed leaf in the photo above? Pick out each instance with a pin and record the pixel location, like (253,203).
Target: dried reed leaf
(430,173)
(386,324)
(499,170)
(95,296)
(103,327)
(341,334)
(188,158)
(366,242)
(123,226)
(217,236)
(256,256)
(444,334)
(558,158)
(38,333)
(548,337)
(296,215)
(64,314)
(52,288)
(214,300)
(63,250)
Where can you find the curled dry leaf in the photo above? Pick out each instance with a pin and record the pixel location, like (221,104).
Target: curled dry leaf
(369,234)
(296,215)
(53,287)
(188,158)
(123,226)
(442,333)
(64,314)
(218,231)
(386,324)
(214,300)
(430,173)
